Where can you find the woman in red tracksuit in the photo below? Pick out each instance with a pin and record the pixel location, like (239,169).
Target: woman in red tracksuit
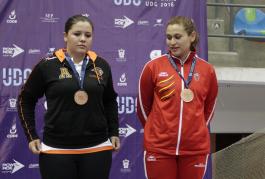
(177,97)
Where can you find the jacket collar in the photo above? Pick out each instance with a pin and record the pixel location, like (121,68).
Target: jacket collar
(187,60)
(60,54)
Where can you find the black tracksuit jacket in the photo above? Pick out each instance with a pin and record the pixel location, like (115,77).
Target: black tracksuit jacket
(67,124)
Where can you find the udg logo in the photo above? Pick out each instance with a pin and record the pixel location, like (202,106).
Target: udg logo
(15,76)
(128,2)
(126,104)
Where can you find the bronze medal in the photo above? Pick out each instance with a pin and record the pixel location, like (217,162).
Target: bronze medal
(187,95)
(81,97)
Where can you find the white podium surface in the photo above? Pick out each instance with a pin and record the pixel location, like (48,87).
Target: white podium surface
(240,105)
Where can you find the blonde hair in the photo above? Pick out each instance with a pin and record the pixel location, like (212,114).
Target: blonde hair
(189,27)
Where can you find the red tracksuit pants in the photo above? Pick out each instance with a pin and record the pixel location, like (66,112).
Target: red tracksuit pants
(159,166)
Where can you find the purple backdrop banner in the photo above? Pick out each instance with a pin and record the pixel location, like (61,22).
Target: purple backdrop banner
(127,34)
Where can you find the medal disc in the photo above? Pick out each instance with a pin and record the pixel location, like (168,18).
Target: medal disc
(186,95)
(81,97)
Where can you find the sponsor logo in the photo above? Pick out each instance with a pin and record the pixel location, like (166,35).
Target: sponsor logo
(155,53)
(49,17)
(12,18)
(121,53)
(34,51)
(143,22)
(123,23)
(158,23)
(85,14)
(50,51)
(126,132)
(151,158)
(127,2)
(11,167)
(15,76)
(163,74)
(12,104)
(122,80)
(12,51)
(126,104)
(125,166)
(12,132)
(33,165)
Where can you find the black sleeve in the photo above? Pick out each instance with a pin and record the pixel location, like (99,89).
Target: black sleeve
(30,92)
(111,107)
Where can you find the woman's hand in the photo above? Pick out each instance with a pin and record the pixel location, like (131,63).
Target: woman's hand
(115,142)
(35,146)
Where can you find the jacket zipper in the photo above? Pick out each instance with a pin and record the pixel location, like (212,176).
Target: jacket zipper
(181,112)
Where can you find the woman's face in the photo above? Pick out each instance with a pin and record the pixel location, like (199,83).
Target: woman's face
(178,41)
(79,38)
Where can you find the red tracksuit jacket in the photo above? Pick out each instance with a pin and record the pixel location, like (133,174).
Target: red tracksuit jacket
(172,126)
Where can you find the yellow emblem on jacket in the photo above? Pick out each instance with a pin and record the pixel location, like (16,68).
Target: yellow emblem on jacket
(64,73)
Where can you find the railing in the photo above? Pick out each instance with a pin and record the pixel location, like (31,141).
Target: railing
(230,22)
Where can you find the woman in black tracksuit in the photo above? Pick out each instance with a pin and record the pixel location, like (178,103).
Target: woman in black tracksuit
(81,122)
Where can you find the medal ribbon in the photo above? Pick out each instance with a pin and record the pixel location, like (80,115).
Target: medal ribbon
(186,82)
(83,70)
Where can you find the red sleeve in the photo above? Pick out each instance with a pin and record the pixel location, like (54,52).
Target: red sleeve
(211,97)
(145,94)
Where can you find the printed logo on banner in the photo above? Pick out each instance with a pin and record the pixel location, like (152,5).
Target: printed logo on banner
(11,167)
(125,166)
(50,51)
(126,104)
(127,2)
(12,104)
(12,18)
(49,17)
(122,80)
(33,165)
(155,53)
(126,131)
(143,22)
(123,23)
(15,76)
(12,132)
(121,54)
(158,23)
(12,51)
(161,4)
(34,51)
(147,3)
(85,14)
